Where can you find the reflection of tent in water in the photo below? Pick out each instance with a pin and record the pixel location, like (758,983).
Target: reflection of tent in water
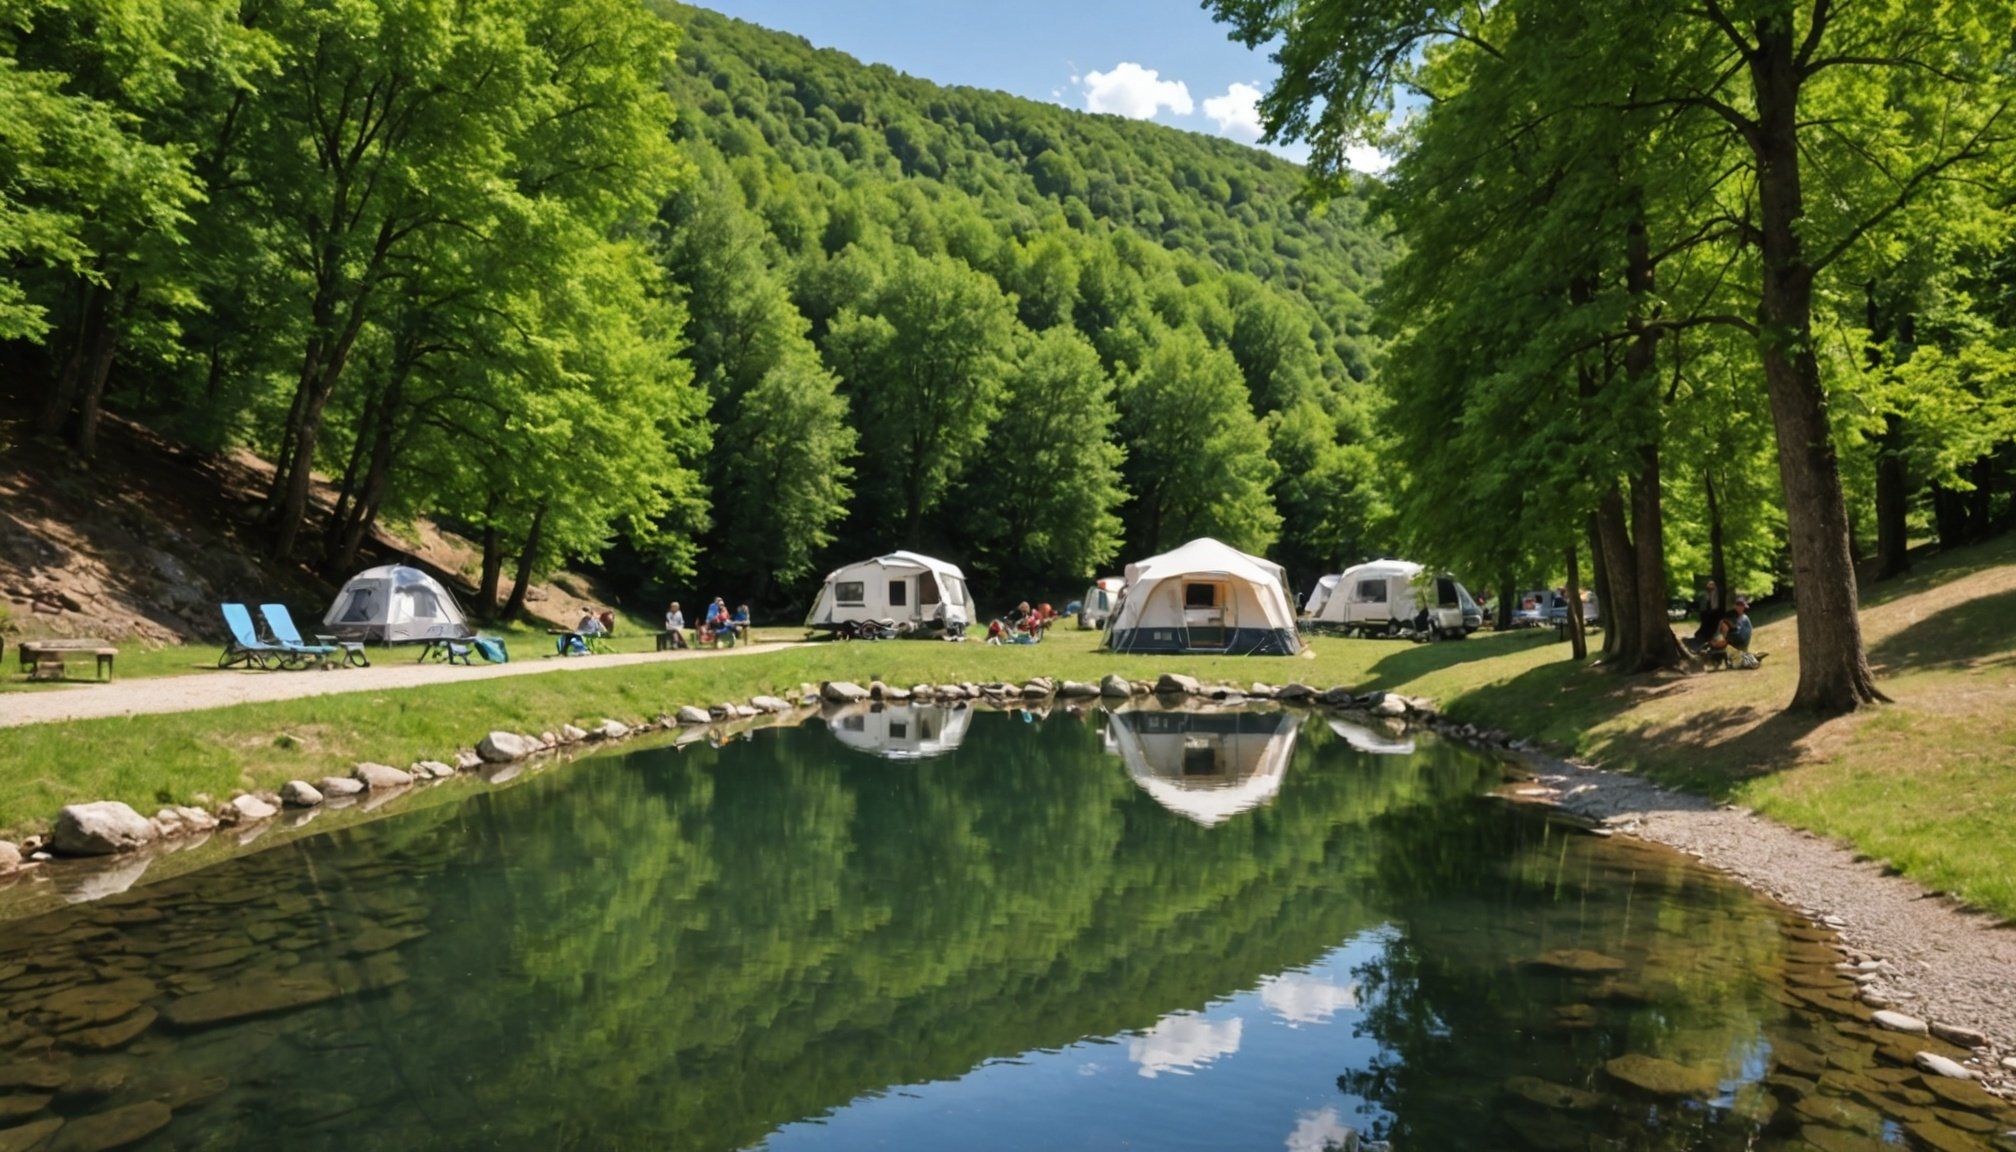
(901,731)
(1206,766)
(1366,740)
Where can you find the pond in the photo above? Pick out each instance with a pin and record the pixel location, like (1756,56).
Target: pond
(923,928)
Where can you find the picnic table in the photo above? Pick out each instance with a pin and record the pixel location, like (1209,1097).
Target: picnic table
(47,659)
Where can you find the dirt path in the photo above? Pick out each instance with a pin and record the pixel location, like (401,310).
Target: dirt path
(223,689)
(1942,962)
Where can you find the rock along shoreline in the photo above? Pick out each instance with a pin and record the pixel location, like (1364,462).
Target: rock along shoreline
(1924,966)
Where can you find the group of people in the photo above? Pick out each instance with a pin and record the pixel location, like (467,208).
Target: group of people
(716,623)
(592,623)
(1025,625)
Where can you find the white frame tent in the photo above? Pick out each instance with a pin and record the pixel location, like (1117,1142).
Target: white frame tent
(394,604)
(1100,599)
(1205,766)
(1205,597)
(901,588)
(1320,595)
(901,731)
(1398,604)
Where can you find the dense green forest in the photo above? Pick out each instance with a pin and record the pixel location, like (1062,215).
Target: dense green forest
(669,293)
(1728,287)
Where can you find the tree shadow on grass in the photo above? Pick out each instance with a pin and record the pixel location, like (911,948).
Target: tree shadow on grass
(1415,661)
(1972,634)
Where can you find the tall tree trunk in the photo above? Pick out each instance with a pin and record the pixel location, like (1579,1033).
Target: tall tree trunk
(363,514)
(1718,555)
(1949,516)
(527,558)
(105,346)
(1619,569)
(1834,674)
(1893,501)
(493,562)
(1605,603)
(1578,642)
(1981,501)
(1658,647)
(56,406)
(1508,594)
(346,488)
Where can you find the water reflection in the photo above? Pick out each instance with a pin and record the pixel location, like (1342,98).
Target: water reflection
(1205,766)
(900,731)
(779,943)
(1392,742)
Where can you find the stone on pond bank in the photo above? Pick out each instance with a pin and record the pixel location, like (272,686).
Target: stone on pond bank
(1662,1077)
(339,786)
(299,794)
(103,828)
(1899,1022)
(504,747)
(1579,961)
(769,704)
(1114,686)
(115,1129)
(248,809)
(10,857)
(376,776)
(842,692)
(688,714)
(1175,684)
(29,1136)
(1937,1065)
(612,730)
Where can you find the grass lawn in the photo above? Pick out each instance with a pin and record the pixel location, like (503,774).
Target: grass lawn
(1926,784)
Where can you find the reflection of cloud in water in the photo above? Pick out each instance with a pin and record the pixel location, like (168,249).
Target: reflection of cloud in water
(1184,1041)
(1323,1131)
(1300,998)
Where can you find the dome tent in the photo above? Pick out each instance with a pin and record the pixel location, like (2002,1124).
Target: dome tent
(395,604)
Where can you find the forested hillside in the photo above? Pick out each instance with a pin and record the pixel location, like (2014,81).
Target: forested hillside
(658,290)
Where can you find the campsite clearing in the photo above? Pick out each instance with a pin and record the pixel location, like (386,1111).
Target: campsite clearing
(1918,783)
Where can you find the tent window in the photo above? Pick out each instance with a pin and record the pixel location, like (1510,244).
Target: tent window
(422,603)
(1445,592)
(1200,595)
(1199,759)
(1372,591)
(852,592)
(927,590)
(899,593)
(359,609)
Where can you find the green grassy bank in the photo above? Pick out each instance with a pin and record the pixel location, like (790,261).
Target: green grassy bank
(1925,783)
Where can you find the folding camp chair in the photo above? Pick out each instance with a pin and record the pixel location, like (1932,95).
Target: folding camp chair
(280,624)
(245,647)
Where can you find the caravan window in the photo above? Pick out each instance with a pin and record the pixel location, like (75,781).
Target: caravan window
(899,730)
(1200,595)
(955,590)
(1372,591)
(899,593)
(927,590)
(1445,593)
(851,592)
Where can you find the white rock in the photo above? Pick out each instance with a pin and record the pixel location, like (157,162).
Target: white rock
(891,692)
(1173,684)
(1294,691)
(376,776)
(195,820)
(1077,689)
(842,692)
(1955,1034)
(433,768)
(1939,1065)
(550,739)
(691,715)
(769,704)
(100,829)
(1260,691)
(299,794)
(10,856)
(1390,706)
(1899,1022)
(504,747)
(467,761)
(251,808)
(569,734)
(612,730)
(339,786)
(1038,688)
(922,691)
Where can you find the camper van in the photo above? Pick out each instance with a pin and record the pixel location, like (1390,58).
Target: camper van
(905,591)
(1099,601)
(1389,598)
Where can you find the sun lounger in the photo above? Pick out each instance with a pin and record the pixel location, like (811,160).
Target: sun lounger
(280,625)
(245,647)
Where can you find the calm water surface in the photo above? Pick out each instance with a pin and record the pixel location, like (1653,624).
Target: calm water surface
(921,928)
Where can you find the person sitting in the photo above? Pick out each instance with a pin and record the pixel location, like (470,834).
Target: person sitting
(1731,646)
(675,626)
(591,624)
(997,631)
(608,619)
(740,623)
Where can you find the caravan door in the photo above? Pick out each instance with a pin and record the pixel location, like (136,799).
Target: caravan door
(1365,603)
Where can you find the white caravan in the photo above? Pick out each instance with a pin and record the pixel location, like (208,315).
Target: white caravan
(1319,596)
(903,590)
(1205,597)
(1390,597)
(395,605)
(1099,600)
(1205,766)
(900,731)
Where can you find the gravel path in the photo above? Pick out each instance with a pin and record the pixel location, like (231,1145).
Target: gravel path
(1945,964)
(223,689)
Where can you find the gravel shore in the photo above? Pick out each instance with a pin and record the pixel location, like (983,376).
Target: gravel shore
(1944,963)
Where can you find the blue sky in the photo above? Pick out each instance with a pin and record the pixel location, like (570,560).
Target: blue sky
(1165,60)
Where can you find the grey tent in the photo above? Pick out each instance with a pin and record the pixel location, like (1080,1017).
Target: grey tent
(395,605)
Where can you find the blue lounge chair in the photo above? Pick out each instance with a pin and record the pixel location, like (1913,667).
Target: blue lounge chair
(280,625)
(245,647)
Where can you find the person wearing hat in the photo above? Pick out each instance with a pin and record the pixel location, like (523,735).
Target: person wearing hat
(1733,633)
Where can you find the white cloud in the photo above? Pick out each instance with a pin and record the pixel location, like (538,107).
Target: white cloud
(1323,1131)
(1367,159)
(1182,1042)
(1299,998)
(1237,112)
(1135,92)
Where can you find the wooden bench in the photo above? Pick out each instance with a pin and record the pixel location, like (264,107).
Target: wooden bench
(47,659)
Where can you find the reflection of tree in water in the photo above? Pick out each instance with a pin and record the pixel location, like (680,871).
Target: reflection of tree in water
(696,949)
(1461,1010)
